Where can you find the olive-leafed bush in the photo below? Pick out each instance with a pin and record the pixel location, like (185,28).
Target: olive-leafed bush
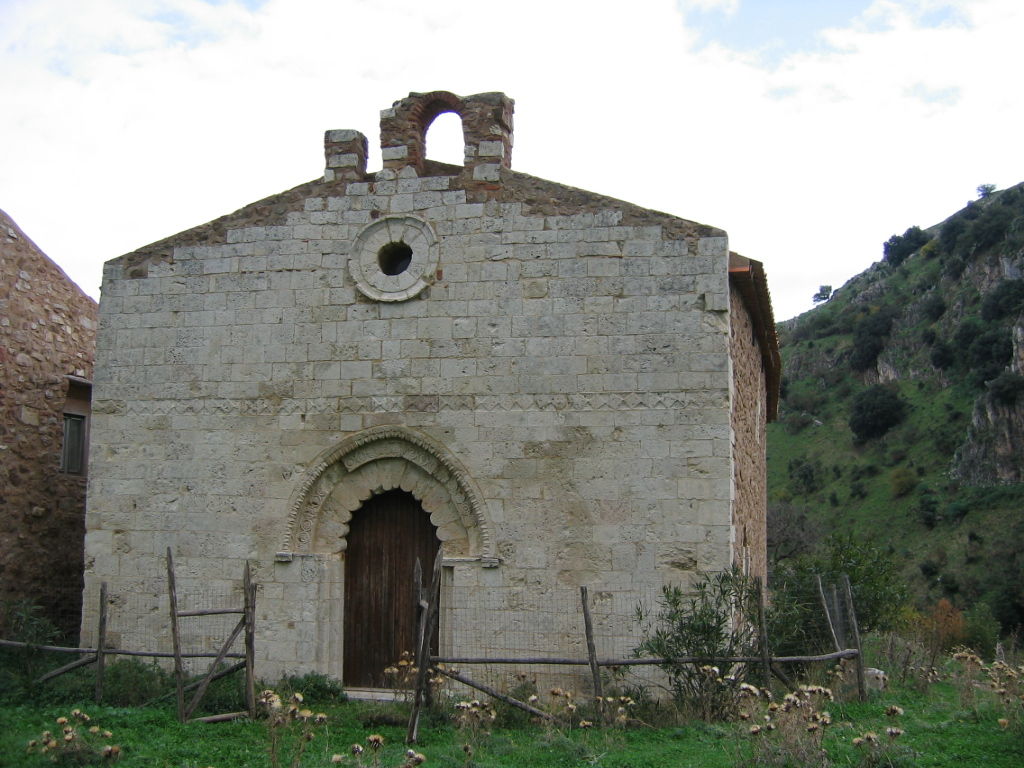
(712,621)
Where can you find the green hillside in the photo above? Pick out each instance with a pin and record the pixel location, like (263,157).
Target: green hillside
(899,420)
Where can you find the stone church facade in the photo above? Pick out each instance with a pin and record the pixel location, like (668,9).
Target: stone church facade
(554,387)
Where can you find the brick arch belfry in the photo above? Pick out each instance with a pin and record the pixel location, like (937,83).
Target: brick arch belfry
(486,131)
(380,459)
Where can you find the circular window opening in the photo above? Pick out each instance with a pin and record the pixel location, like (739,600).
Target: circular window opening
(394,258)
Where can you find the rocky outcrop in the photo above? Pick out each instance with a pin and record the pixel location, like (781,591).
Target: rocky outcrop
(993,451)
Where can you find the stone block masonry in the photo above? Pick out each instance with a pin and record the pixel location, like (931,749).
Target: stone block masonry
(47,343)
(548,372)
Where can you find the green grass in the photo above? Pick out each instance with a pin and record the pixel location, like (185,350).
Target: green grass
(940,730)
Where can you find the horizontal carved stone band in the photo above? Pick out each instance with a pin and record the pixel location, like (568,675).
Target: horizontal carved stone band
(583,401)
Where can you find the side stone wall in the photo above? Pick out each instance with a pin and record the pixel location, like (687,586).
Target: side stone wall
(47,332)
(749,420)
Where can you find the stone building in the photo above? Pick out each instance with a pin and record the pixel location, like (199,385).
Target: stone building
(554,387)
(47,344)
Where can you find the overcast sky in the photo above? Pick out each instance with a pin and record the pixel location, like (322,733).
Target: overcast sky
(810,130)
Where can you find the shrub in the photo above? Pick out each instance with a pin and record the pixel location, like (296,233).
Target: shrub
(131,682)
(989,353)
(942,355)
(967,332)
(791,532)
(702,624)
(869,338)
(981,629)
(804,399)
(991,227)
(866,350)
(805,475)
(928,508)
(795,621)
(902,481)
(950,233)
(1006,388)
(797,422)
(313,685)
(898,247)
(224,695)
(955,267)
(24,623)
(875,411)
(863,470)
(1006,299)
(946,627)
(954,512)
(933,307)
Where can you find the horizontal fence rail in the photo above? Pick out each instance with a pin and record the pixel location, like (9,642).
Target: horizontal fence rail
(115,651)
(849,653)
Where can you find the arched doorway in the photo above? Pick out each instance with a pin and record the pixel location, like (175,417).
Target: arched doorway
(386,536)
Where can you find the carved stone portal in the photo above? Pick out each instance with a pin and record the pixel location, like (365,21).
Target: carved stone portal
(377,460)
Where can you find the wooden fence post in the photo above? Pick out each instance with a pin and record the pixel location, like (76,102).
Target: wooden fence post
(762,630)
(848,590)
(179,673)
(595,670)
(101,643)
(423,651)
(250,640)
(840,620)
(828,614)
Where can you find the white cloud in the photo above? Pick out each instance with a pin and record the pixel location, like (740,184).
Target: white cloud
(728,7)
(126,121)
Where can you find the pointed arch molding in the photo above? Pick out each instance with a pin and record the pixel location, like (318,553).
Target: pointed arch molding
(382,459)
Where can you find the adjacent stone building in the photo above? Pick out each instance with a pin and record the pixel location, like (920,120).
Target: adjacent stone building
(47,344)
(554,387)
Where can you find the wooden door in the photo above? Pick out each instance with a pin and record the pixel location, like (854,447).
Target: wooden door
(385,537)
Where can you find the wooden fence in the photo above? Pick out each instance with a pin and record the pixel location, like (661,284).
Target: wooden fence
(99,654)
(427,607)
(426,663)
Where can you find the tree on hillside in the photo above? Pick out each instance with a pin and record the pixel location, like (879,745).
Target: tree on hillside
(875,411)
(869,337)
(824,294)
(898,247)
(791,532)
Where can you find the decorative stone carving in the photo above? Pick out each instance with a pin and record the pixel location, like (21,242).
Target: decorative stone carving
(394,259)
(378,460)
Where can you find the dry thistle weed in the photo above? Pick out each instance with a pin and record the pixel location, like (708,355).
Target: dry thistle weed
(401,676)
(375,748)
(787,732)
(76,741)
(998,683)
(473,718)
(290,727)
